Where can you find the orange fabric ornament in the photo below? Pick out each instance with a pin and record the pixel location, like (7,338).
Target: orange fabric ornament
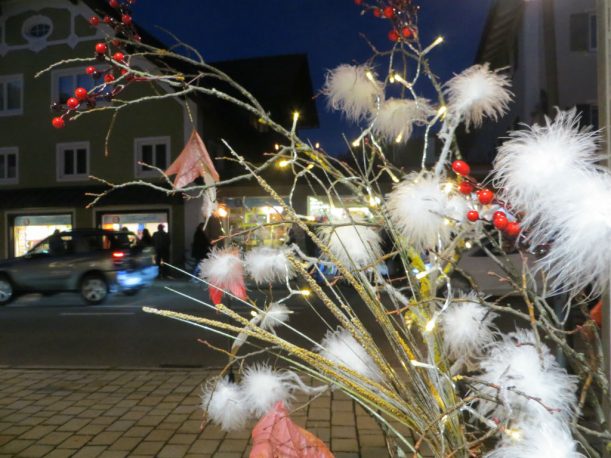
(192,162)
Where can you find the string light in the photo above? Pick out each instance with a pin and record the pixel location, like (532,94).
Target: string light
(222,212)
(283,163)
(305,292)
(295,116)
(431,324)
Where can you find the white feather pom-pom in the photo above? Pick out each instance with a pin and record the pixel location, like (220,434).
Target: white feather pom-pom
(263,387)
(530,165)
(467,328)
(353,90)
(268,265)
(547,440)
(341,348)
(224,405)
(477,93)
(223,270)
(354,245)
(395,119)
(274,316)
(418,206)
(515,365)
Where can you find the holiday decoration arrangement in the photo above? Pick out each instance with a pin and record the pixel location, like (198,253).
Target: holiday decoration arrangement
(423,353)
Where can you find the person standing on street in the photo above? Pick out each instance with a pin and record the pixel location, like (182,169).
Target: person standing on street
(200,246)
(161,243)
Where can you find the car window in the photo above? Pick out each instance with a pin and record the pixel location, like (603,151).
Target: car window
(55,245)
(122,240)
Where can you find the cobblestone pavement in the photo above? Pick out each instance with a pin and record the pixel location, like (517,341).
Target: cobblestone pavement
(155,413)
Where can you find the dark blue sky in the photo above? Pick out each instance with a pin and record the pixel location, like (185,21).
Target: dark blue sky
(327,30)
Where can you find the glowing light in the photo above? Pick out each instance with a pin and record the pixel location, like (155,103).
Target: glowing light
(446,221)
(253,313)
(277,147)
(305,292)
(317,145)
(222,212)
(374,201)
(515,434)
(283,163)
(442,110)
(370,76)
(438,40)
(447,188)
(468,245)
(431,325)
(393,177)
(295,116)
(399,138)
(356,142)
(310,166)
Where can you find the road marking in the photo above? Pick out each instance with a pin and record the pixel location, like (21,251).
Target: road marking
(95,313)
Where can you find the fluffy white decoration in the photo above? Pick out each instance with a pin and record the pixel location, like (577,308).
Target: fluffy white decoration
(395,119)
(223,266)
(209,203)
(478,93)
(514,363)
(467,328)
(530,166)
(341,348)
(275,315)
(457,208)
(263,387)
(268,265)
(546,440)
(418,207)
(224,404)
(349,89)
(354,244)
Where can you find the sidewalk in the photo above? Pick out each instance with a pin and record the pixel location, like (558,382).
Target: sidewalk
(154,413)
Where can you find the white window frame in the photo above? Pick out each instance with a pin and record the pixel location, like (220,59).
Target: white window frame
(74,72)
(5,151)
(33,21)
(60,149)
(3,80)
(138,144)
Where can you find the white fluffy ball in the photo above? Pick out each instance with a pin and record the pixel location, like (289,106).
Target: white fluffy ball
(350,89)
(268,265)
(341,348)
(514,364)
(395,119)
(224,404)
(222,267)
(263,386)
(467,328)
(354,244)
(274,316)
(477,93)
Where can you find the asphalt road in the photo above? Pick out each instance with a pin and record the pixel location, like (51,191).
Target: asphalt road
(59,331)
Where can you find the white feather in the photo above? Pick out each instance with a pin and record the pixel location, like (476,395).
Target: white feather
(341,348)
(515,364)
(537,440)
(418,207)
(224,404)
(222,267)
(349,89)
(209,203)
(478,93)
(467,328)
(263,387)
(274,316)
(268,265)
(395,119)
(354,244)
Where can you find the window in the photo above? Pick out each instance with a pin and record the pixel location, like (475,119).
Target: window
(589,115)
(153,151)
(8,166)
(583,32)
(73,161)
(11,95)
(66,81)
(37,28)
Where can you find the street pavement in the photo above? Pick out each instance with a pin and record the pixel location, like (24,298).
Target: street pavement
(85,413)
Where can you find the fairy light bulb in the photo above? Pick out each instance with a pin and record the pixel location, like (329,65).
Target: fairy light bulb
(283,163)
(295,116)
(431,325)
(305,292)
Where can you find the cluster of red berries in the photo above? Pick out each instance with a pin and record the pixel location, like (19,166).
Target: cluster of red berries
(401,13)
(485,197)
(124,31)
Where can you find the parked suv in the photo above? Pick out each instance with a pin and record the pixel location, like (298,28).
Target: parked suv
(94,262)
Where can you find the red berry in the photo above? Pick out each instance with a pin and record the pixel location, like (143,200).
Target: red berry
(118,56)
(500,222)
(406,32)
(485,196)
(107,19)
(109,78)
(393,35)
(116,43)
(101,48)
(94,20)
(461,168)
(472,215)
(358,2)
(465,188)
(80,93)
(113,3)
(126,19)
(58,122)
(389,12)
(377,12)
(512,229)
(498,214)
(90,70)
(124,71)
(72,103)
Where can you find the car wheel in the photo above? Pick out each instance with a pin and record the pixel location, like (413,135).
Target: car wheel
(94,289)
(6,290)
(131,292)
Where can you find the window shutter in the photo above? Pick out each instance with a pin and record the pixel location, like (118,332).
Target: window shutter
(579,32)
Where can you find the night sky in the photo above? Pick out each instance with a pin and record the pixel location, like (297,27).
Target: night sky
(327,30)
